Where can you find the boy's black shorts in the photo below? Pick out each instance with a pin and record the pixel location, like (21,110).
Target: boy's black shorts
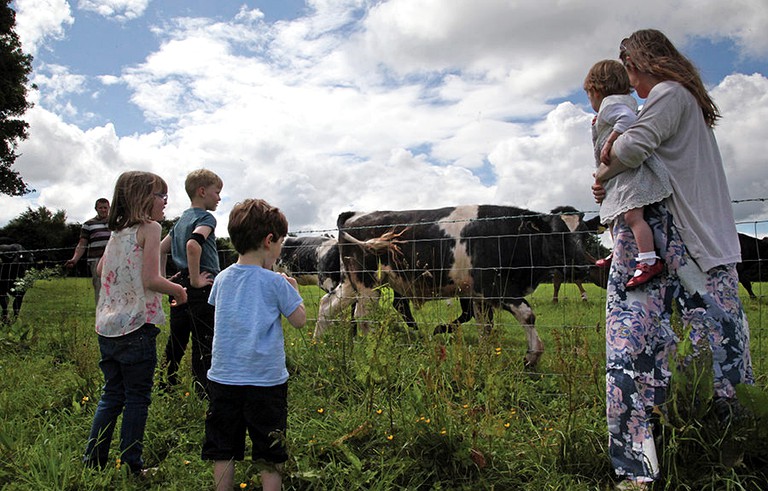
(232,409)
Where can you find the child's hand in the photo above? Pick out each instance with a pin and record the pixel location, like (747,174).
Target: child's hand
(598,191)
(179,298)
(601,172)
(290,280)
(204,279)
(605,153)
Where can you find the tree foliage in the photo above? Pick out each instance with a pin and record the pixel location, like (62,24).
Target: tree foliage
(45,231)
(15,67)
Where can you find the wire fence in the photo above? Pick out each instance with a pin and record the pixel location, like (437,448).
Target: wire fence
(428,264)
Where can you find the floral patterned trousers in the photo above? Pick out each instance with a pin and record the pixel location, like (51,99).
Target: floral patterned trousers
(640,341)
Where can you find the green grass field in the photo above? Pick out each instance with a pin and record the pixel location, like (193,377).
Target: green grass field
(395,409)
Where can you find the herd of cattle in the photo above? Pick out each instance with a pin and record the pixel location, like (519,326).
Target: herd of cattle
(489,257)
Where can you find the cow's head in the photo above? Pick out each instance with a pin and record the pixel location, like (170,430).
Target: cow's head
(16,254)
(568,223)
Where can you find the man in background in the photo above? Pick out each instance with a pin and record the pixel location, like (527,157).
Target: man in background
(94,236)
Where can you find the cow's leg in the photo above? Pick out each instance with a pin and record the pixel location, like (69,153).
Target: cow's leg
(17,299)
(557,282)
(4,306)
(403,306)
(467,312)
(331,305)
(583,292)
(365,299)
(523,312)
(484,316)
(748,286)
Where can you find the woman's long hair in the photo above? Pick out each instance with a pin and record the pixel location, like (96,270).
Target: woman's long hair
(651,52)
(134,198)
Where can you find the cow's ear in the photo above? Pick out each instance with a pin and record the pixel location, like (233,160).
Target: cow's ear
(529,225)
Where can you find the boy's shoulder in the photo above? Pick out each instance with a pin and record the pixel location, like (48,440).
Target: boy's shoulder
(246,273)
(194,214)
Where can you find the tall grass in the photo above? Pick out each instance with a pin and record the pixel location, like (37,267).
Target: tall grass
(396,409)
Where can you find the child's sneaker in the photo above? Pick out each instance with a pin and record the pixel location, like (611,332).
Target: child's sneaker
(605,262)
(647,272)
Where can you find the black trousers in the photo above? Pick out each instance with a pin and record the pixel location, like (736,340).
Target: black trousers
(194,320)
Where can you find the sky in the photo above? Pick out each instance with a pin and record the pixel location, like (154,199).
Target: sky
(325,106)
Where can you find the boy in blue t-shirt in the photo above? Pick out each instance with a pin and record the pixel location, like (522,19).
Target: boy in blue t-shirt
(247,382)
(192,245)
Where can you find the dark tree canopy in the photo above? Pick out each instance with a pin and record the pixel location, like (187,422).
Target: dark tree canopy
(15,67)
(39,229)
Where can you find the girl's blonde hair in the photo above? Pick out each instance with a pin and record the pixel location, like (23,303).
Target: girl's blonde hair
(651,52)
(134,198)
(607,77)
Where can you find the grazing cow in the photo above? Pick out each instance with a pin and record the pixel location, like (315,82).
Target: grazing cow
(14,262)
(312,261)
(315,260)
(578,275)
(491,256)
(754,262)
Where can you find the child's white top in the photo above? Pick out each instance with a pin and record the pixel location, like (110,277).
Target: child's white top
(671,125)
(248,343)
(124,304)
(633,188)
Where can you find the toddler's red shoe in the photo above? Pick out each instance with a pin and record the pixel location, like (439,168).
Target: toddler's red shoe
(605,262)
(647,273)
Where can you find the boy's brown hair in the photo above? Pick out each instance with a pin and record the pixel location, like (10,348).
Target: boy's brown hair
(200,178)
(608,77)
(251,221)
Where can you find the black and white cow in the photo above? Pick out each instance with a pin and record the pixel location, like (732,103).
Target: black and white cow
(311,260)
(14,263)
(578,275)
(314,260)
(754,261)
(492,256)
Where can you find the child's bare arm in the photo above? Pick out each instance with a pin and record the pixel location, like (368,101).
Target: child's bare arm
(165,250)
(299,317)
(605,172)
(197,278)
(148,236)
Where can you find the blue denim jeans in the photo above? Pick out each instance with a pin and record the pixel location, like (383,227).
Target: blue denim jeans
(128,363)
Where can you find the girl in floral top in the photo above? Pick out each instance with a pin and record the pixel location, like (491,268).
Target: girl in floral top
(129,307)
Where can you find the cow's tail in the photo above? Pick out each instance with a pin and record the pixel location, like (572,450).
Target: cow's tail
(387,242)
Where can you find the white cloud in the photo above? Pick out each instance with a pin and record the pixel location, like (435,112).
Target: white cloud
(55,84)
(743,102)
(382,105)
(38,21)
(120,10)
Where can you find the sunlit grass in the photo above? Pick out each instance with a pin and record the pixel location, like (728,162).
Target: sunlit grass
(396,409)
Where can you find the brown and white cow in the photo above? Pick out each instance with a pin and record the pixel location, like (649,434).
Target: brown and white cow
(492,256)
